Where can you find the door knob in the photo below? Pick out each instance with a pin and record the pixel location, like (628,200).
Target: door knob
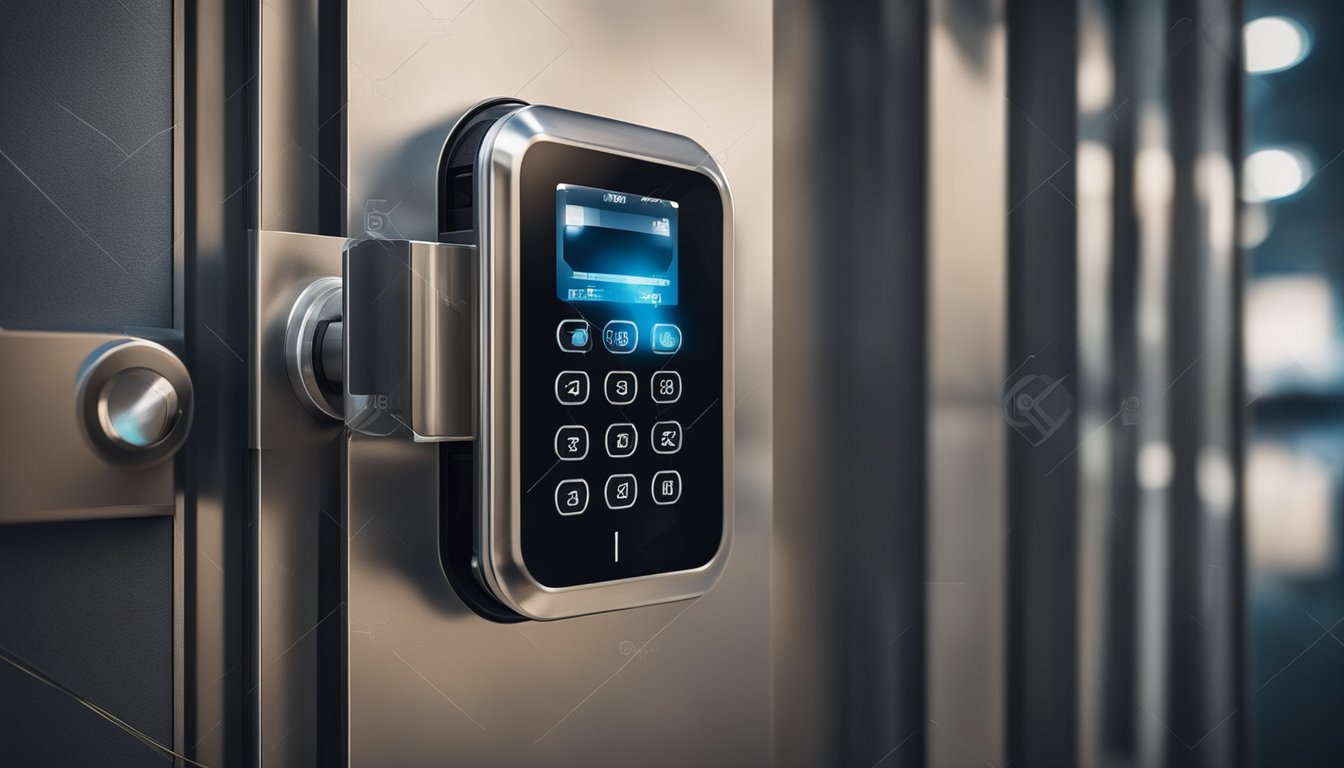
(134,399)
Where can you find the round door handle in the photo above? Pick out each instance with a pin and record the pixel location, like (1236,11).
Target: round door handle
(134,399)
(137,408)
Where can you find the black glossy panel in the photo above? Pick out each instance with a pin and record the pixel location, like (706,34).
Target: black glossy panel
(565,550)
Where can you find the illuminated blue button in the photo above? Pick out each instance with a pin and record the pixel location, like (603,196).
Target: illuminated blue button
(574,336)
(620,337)
(666,338)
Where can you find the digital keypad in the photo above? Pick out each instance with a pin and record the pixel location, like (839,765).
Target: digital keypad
(621,439)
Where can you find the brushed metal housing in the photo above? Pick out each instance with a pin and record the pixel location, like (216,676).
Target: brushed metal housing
(499,546)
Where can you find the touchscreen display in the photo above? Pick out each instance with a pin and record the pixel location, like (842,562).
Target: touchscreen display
(614,246)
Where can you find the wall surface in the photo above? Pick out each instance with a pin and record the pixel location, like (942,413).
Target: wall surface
(680,684)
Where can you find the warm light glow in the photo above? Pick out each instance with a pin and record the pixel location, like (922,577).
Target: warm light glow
(1290,324)
(1274,43)
(1273,173)
(1256,222)
(1288,510)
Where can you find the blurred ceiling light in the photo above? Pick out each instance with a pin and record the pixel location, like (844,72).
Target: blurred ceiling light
(1273,173)
(1288,510)
(1289,329)
(1154,466)
(1274,43)
(1096,73)
(1215,481)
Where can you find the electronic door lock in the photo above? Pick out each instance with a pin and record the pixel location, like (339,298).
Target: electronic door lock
(568,343)
(601,476)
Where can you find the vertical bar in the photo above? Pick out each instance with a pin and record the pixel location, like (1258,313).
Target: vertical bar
(179,323)
(298,589)
(289,52)
(217,174)
(967,434)
(1042,702)
(849,567)
(1205,598)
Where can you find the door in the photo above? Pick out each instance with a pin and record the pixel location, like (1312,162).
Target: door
(280,600)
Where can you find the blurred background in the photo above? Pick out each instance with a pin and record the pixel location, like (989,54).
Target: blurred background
(1102,528)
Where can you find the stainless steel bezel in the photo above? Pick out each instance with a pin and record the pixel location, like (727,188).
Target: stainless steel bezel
(498,546)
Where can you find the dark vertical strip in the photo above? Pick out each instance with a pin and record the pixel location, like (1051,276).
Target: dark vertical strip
(1120,695)
(331,113)
(1042,703)
(332,635)
(850,409)
(1240,414)
(1185,331)
(219,206)
(1204,608)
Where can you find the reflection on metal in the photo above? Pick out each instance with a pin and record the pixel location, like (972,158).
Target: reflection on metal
(316,309)
(411,339)
(430,680)
(968,431)
(135,401)
(296,544)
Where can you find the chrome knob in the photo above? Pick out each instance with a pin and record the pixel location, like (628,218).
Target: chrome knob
(137,408)
(134,398)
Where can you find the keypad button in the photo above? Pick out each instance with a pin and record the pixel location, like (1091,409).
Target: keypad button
(621,491)
(666,338)
(620,336)
(621,440)
(571,387)
(667,437)
(666,487)
(666,387)
(571,442)
(571,497)
(621,386)
(574,335)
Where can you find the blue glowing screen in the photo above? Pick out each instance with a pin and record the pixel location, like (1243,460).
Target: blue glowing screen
(614,246)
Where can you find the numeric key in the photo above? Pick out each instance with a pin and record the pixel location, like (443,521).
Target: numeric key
(666,387)
(571,442)
(621,491)
(571,497)
(571,387)
(666,487)
(621,440)
(667,437)
(621,387)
